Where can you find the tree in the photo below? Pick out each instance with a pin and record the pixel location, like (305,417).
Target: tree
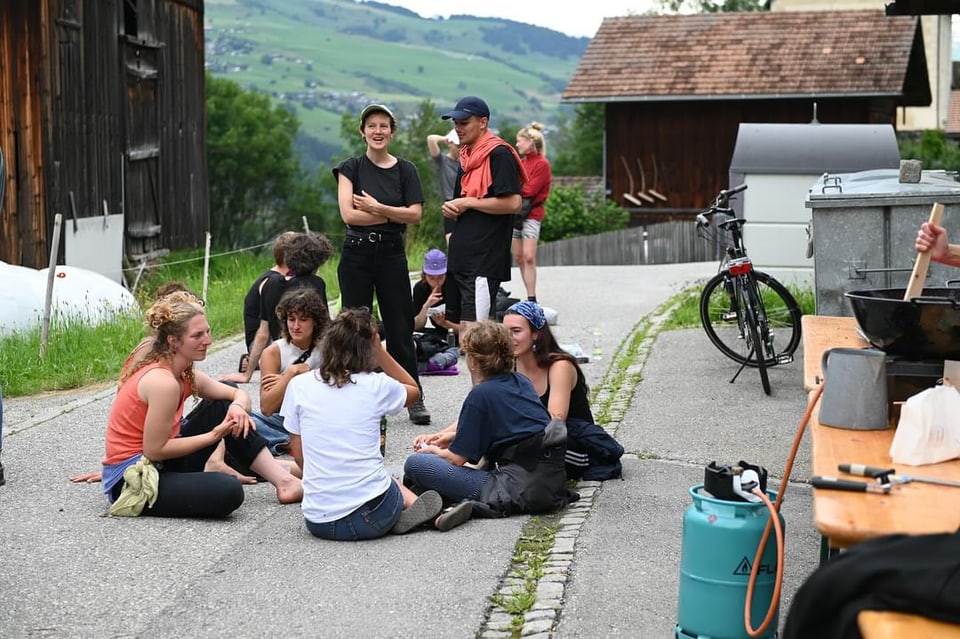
(579,147)
(712,6)
(252,166)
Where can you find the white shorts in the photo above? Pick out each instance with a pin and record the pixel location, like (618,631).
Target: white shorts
(530,230)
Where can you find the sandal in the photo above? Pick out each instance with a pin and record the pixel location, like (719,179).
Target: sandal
(244,361)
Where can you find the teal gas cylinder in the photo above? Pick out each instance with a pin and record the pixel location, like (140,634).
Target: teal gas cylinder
(720,540)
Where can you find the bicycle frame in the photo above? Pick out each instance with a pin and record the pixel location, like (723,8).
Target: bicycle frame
(734,303)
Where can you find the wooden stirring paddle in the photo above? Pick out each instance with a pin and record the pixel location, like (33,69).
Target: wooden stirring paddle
(919,275)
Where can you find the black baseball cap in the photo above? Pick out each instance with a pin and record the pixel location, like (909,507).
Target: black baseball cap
(470,105)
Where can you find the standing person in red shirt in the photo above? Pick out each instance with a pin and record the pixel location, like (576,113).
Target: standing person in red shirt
(487,198)
(526,229)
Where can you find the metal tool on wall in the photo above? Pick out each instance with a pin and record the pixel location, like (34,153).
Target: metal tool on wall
(642,193)
(629,196)
(656,176)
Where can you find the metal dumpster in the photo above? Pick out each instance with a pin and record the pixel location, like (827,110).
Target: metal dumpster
(864,227)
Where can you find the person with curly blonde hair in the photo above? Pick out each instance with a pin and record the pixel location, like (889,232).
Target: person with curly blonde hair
(499,452)
(145,423)
(333,416)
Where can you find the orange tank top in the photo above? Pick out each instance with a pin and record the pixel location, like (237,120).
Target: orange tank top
(128,416)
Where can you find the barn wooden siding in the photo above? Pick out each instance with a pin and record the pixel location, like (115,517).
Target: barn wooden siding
(692,142)
(102,107)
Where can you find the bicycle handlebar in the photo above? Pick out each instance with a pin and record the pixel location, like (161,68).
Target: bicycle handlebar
(722,201)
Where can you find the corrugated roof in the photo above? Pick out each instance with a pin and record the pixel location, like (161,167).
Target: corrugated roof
(746,55)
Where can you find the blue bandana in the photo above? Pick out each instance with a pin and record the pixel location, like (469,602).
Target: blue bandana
(531,312)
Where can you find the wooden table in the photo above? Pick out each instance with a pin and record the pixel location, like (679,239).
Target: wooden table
(846,518)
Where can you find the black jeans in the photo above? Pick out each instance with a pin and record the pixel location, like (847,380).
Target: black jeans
(381,267)
(184,489)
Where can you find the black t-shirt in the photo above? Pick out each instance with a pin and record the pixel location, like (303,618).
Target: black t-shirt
(274,289)
(251,306)
(480,244)
(397,186)
(421,291)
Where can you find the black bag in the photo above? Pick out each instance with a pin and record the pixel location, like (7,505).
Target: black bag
(502,303)
(428,345)
(524,213)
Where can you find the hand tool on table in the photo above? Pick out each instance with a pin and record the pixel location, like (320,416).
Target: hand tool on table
(834,483)
(891,475)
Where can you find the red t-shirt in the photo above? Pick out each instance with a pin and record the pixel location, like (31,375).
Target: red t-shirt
(128,416)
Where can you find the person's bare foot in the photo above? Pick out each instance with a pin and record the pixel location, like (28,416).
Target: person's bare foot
(218,466)
(290,490)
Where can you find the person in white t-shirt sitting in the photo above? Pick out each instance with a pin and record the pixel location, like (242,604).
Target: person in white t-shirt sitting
(333,416)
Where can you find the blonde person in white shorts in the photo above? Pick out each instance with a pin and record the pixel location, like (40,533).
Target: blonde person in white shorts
(536,190)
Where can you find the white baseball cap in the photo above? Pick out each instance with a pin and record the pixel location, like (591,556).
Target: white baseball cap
(453,138)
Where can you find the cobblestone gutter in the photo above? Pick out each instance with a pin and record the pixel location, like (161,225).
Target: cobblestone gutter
(529,599)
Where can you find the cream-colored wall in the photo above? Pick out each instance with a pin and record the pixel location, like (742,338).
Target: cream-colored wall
(937,48)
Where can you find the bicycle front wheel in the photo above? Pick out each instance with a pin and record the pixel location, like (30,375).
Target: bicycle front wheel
(722,314)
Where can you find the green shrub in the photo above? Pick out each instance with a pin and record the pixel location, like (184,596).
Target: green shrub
(571,213)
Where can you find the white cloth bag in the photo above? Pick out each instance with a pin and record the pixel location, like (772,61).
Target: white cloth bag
(929,428)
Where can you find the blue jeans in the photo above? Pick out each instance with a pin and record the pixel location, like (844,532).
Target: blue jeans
(371,520)
(454,483)
(270,428)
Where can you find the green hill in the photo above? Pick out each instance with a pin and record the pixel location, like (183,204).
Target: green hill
(323,58)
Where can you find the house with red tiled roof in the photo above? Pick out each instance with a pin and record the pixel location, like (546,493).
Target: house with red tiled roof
(676,88)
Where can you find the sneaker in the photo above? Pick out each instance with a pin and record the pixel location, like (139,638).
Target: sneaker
(418,413)
(454,516)
(427,506)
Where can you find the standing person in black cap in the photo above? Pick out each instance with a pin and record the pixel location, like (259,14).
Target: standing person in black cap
(379,194)
(488,195)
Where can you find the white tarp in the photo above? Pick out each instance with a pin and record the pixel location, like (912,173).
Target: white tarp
(77,294)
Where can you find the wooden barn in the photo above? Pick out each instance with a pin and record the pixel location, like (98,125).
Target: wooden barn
(677,87)
(102,120)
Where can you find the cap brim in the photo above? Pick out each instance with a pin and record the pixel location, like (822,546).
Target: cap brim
(456,115)
(429,272)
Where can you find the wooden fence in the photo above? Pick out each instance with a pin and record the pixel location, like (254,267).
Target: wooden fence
(670,242)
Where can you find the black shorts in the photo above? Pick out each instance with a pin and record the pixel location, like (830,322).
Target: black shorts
(471,297)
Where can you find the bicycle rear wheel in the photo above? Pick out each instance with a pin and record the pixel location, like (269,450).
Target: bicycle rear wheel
(755,324)
(722,314)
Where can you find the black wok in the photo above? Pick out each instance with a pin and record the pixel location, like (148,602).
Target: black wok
(926,327)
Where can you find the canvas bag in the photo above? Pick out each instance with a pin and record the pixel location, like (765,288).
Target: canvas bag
(929,428)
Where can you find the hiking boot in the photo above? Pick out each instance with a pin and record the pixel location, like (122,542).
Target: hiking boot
(418,413)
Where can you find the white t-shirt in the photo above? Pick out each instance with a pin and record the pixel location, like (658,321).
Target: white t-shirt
(340,434)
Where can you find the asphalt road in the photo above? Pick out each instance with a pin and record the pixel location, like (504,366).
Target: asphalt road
(65,571)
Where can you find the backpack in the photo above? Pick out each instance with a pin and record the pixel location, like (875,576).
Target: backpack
(502,303)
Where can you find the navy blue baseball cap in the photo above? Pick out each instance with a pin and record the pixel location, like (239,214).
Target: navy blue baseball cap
(470,105)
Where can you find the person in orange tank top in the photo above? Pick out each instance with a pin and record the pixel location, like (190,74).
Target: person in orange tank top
(145,421)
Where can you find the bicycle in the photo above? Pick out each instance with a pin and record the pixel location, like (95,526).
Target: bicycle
(746,313)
